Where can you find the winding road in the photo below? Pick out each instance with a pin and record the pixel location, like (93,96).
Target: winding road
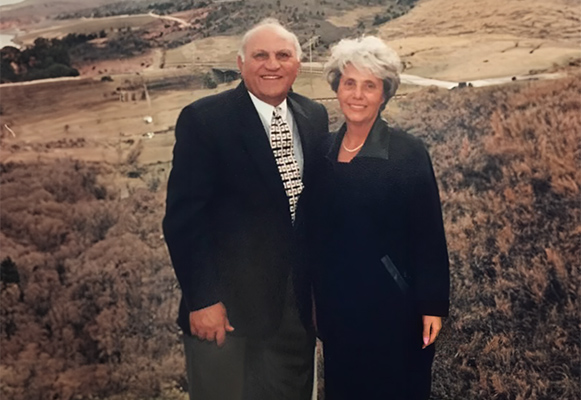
(317,68)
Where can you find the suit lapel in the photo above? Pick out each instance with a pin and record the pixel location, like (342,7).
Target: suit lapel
(250,126)
(305,132)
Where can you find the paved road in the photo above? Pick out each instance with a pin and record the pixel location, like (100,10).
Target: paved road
(317,68)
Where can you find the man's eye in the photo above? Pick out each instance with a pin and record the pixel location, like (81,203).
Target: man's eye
(283,56)
(348,83)
(260,56)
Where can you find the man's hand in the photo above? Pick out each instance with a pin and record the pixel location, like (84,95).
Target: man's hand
(210,323)
(432,326)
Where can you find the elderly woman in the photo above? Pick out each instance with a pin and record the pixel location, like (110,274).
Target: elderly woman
(381,264)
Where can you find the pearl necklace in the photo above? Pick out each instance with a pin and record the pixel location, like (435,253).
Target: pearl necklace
(352,150)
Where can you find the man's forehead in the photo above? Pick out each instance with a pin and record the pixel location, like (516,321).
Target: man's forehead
(261,47)
(269,39)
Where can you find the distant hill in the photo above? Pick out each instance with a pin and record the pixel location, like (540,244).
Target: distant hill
(180,22)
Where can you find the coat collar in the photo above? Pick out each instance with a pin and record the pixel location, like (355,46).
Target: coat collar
(376,144)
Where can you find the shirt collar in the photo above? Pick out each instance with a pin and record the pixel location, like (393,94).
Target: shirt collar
(265,110)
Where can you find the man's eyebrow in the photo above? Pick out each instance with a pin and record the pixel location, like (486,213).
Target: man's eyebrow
(275,51)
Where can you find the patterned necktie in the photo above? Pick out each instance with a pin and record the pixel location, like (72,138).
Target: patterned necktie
(281,141)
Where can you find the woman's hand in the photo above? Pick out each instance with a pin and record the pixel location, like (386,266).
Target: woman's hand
(432,326)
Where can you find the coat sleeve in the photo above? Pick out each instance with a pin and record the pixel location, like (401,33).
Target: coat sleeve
(186,224)
(430,255)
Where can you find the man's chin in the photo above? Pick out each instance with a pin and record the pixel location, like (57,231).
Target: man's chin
(273,94)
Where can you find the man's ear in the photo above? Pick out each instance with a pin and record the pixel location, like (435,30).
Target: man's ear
(240,63)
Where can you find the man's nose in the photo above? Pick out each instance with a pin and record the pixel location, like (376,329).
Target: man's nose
(272,63)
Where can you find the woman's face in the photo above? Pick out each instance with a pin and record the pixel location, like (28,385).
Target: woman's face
(360,94)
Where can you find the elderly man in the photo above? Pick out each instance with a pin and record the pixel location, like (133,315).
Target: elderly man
(234,224)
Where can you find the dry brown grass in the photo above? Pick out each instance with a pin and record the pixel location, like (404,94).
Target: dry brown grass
(93,312)
(507,163)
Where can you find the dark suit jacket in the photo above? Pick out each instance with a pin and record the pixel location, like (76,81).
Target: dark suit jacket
(227,224)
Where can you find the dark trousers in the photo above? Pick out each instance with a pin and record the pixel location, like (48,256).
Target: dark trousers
(279,367)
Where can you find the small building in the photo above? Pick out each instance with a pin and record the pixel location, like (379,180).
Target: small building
(223,75)
(132,94)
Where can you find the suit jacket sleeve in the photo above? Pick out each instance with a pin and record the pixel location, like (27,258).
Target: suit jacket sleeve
(430,255)
(186,225)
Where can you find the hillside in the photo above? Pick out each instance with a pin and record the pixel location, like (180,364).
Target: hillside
(507,164)
(88,299)
(88,296)
(442,39)
(464,40)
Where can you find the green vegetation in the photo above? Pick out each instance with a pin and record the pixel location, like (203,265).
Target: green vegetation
(46,58)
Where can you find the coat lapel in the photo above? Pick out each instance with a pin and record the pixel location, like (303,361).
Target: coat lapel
(305,132)
(248,123)
(376,144)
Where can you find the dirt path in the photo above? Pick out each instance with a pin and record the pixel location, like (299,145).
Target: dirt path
(182,23)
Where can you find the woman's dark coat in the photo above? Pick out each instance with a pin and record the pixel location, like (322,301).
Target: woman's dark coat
(384,202)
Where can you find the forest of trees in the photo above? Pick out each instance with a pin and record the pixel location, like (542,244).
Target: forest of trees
(46,58)
(88,298)
(53,58)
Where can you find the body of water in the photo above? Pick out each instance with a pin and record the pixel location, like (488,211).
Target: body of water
(6,40)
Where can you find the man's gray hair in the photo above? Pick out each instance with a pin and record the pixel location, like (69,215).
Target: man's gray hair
(275,25)
(365,53)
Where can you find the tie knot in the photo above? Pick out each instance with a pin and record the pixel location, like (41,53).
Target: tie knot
(277,112)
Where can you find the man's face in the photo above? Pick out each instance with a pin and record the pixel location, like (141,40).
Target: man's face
(270,66)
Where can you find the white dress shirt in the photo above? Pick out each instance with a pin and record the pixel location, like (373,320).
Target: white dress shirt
(265,112)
